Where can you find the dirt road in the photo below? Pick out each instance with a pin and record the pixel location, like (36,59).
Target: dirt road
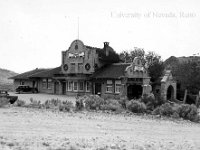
(25,128)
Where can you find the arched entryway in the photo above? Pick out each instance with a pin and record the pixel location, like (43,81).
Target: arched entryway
(170,92)
(134,91)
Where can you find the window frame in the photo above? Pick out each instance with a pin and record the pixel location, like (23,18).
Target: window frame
(70,86)
(109,84)
(75,90)
(80,86)
(118,84)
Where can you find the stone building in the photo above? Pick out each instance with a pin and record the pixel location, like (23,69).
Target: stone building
(90,70)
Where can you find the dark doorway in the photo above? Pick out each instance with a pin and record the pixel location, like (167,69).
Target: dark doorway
(56,88)
(134,91)
(97,88)
(33,84)
(170,93)
(64,88)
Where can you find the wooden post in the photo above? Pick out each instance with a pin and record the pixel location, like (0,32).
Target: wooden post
(185,96)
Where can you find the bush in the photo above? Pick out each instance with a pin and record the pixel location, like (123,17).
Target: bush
(79,103)
(189,112)
(20,103)
(53,103)
(164,110)
(35,104)
(93,102)
(185,111)
(152,102)
(4,101)
(112,105)
(136,106)
(66,106)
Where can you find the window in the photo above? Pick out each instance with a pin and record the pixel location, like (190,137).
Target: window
(109,86)
(75,86)
(80,66)
(44,83)
(87,86)
(117,86)
(70,84)
(49,83)
(21,82)
(73,67)
(81,86)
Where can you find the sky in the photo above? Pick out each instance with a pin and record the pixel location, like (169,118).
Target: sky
(34,32)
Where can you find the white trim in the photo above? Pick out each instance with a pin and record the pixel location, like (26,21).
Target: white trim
(74,86)
(80,86)
(70,83)
(87,86)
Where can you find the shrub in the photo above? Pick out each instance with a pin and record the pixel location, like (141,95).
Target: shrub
(189,112)
(136,106)
(185,111)
(111,104)
(151,102)
(66,106)
(164,110)
(20,103)
(53,103)
(4,101)
(79,103)
(93,102)
(35,103)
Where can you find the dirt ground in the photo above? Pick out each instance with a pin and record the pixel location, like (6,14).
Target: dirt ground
(36,129)
(42,97)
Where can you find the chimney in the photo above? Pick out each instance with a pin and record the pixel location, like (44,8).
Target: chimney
(106,44)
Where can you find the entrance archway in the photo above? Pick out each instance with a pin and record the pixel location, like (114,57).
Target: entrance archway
(134,91)
(170,92)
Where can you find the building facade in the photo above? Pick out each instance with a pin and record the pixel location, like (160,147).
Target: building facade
(90,70)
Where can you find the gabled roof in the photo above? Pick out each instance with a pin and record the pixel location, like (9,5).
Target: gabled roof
(47,73)
(27,74)
(116,70)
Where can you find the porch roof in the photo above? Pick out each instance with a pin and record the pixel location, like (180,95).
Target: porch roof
(116,70)
(48,73)
(27,74)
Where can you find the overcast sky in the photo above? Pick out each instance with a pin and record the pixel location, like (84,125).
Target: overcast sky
(34,32)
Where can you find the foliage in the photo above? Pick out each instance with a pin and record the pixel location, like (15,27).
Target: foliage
(164,110)
(136,106)
(4,101)
(112,105)
(20,103)
(93,102)
(188,75)
(150,60)
(151,102)
(66,106)
(188,112)
(185,111)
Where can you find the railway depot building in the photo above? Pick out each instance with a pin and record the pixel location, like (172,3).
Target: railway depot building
(90,70)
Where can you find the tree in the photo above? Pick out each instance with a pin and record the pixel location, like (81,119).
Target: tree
(151,60)
(188,75)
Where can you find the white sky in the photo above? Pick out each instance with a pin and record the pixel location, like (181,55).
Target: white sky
(34,32)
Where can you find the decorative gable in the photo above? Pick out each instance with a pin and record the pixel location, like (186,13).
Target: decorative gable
(136,69)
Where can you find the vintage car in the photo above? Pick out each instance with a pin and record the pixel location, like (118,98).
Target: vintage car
(6,98)
(25,89)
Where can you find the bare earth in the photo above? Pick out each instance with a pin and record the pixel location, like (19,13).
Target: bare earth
(36,129)
(26,128)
